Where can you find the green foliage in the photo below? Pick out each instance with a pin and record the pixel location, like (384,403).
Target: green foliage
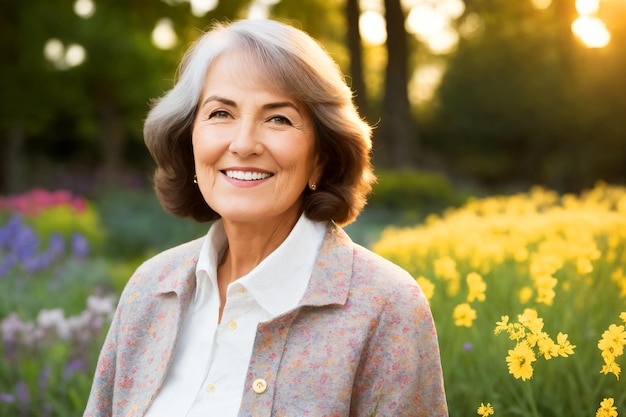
(408,190)
(523,101)
(137,226)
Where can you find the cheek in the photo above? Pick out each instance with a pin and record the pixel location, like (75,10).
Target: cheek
(205,151)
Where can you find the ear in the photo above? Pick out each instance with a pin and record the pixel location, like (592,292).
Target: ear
(316,174)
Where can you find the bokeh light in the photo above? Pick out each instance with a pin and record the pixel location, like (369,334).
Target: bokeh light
(587,7)
(164,36)
(84,8)
(372,28)
(591,31)
(541,4)
(200,8)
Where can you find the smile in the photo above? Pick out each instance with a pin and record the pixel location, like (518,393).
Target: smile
(247,175)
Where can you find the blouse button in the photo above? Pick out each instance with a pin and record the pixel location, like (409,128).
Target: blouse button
(232,325)
(259,386)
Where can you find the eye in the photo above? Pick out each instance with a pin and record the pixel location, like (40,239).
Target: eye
(218,114)
(280,120)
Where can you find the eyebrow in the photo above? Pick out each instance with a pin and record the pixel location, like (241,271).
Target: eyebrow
(268,106)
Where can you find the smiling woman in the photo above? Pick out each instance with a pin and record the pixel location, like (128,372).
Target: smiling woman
(275,311)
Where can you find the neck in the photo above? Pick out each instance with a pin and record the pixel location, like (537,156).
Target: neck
(250,244)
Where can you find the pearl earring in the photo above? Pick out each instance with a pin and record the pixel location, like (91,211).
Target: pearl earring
(313,187)
(195,179)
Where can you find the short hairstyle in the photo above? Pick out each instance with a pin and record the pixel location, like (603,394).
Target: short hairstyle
(302,69)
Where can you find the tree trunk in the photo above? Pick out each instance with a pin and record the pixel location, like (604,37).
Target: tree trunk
(353,12)
(398,136)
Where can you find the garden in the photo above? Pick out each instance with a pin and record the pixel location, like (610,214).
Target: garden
(527,289)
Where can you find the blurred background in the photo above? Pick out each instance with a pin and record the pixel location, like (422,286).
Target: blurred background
(493,95)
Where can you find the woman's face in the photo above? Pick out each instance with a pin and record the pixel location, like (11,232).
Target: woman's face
(254,146)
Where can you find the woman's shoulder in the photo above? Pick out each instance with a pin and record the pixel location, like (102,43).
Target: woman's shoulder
(163,267)
(174,255)
(375,266)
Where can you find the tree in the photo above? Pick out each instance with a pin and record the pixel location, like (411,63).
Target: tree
(522,102)
(355,48)
(29,93)
(100,104)
(397,139)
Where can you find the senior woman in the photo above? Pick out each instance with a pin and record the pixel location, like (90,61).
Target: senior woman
(275,312)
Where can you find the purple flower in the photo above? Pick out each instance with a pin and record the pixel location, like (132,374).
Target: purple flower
(74,365)
(80,245)
(56,246)
(467,346)
(21,392)
(6,398)
(9,230)
(44,377)
(25,243)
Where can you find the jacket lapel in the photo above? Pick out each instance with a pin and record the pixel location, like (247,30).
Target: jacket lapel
(330,280)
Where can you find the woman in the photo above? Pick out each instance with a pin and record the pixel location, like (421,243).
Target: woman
(275,311)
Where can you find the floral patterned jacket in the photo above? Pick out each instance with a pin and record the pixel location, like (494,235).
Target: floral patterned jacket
(361,342)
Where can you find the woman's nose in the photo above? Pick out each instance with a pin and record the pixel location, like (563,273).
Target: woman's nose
(246,140)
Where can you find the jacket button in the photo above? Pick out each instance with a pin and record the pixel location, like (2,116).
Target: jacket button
(259,386)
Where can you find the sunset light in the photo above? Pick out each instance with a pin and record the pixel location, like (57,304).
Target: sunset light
(591,31)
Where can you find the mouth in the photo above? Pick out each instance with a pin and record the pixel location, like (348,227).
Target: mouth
(247,175)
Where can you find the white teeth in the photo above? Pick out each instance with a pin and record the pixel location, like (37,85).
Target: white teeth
(247,175)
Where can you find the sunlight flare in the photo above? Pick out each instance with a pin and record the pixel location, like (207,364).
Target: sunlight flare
(591,31)
(587,7)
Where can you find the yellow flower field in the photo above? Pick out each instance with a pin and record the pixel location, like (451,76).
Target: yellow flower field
(529,297)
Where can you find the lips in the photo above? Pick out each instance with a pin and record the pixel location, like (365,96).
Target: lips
(247,175)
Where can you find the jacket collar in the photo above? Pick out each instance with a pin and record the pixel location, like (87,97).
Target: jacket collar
(179,274)
(329,283)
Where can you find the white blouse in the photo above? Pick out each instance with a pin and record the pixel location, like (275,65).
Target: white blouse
(208,370)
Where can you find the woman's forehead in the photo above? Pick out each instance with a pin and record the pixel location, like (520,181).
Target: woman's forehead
(251,70)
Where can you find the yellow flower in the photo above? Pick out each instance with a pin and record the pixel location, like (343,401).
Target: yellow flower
(464,315)
(545,289)
(565,347)
(531,320)
(517,331)
(606,408)
(476,286)
(502,325)
(611,367)
(623,317)
(520,361)
(613,340)
(525,294)
(485,410)
(445,267)
(547,347)
(428,288)
(584,266)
